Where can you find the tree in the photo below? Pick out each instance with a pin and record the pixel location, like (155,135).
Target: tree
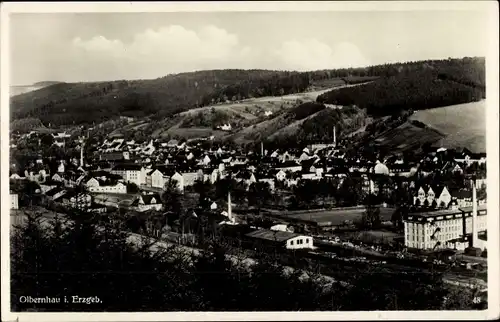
(259,193)
(86,252)
(398,216)
(132,188)
(47,140)
(371,216)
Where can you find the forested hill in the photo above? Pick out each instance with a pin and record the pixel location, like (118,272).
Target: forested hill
(428,85)
(85,103)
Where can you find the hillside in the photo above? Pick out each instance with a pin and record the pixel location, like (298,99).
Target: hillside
(408,136)
(429,85)
(462,125)
(21,89)
(85,103)
(79,103)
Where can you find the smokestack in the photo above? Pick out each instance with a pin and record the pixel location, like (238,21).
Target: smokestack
(229,207)
(81,154)
(474,215)
(262,149)
(334,137)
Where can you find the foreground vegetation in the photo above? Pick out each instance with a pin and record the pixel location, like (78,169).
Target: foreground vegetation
(82,256)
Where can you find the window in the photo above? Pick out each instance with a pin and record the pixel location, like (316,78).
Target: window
(291,242)
(307,241)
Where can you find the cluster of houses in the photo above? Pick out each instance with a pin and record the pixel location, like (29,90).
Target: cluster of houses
(151,166)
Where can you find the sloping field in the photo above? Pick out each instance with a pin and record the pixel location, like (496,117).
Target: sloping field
(291,128)
(463,125)
(260,130)
(192,132)
(407,136)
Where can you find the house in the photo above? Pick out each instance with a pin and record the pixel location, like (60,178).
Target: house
(14,201)
(225,127)
(147,202)
(172,143)
(285,239)
(158,176)
(206,160)
(279,227)
(149,149)
(280,175)
(60,168)
(131,173)
(105,186)
(177,177)
(432,196)
(286,156)
(189,178)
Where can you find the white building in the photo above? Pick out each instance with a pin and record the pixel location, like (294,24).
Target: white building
(225,127)
(442,228)
(432,197)
(95,185)
(281,175)
(131,173)
(285,239)
(148,202)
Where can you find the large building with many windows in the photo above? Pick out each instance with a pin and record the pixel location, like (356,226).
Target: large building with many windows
(449,228)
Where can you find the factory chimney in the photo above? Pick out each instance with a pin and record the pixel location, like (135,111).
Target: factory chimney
(474,215)
(262,149)
(81,154)
(334,137)
(229,207)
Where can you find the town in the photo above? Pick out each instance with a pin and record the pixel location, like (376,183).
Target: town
(228,160)
(325,200)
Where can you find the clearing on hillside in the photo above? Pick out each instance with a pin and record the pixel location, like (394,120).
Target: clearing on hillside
(463,125)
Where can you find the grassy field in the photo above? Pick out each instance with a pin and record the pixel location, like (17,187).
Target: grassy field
(463,125)
(339,216)
(406,137)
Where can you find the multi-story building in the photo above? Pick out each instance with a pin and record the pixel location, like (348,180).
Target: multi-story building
(442,228)
(131,173)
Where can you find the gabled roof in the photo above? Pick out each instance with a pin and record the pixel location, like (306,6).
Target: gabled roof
(127,167)
(279,236)
(147,198)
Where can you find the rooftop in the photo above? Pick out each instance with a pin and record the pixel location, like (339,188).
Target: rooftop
(278,236)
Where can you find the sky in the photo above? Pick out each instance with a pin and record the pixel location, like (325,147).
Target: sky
(80,47)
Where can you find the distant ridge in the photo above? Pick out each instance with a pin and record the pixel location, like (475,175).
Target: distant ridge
(46,83)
